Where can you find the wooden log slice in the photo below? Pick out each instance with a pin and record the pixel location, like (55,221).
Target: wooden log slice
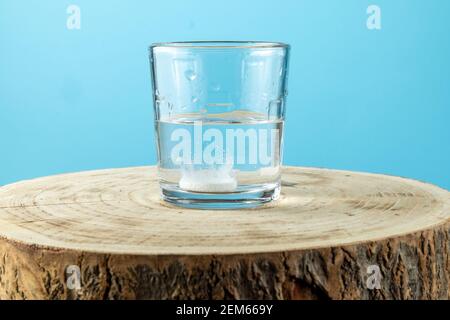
(332,235)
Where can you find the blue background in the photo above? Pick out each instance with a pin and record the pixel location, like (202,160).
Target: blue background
(359,99)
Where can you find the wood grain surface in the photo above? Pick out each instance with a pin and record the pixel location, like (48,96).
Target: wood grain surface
(315,242)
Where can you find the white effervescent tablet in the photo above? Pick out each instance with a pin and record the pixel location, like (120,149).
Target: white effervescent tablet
(208,180)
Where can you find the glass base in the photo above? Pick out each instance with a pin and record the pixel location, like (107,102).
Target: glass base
(247,196)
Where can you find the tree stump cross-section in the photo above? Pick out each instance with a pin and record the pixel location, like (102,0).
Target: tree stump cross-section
(333,235)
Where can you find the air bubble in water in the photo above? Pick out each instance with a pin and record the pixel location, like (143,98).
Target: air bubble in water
(215,86)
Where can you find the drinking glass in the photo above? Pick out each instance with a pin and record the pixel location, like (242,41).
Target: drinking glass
(219,114)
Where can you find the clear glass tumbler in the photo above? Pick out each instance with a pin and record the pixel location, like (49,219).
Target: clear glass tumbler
(219,114)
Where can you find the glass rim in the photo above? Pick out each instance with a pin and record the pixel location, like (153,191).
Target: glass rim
(220,44)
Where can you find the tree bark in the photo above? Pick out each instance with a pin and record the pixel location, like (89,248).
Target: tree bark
(332,235)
